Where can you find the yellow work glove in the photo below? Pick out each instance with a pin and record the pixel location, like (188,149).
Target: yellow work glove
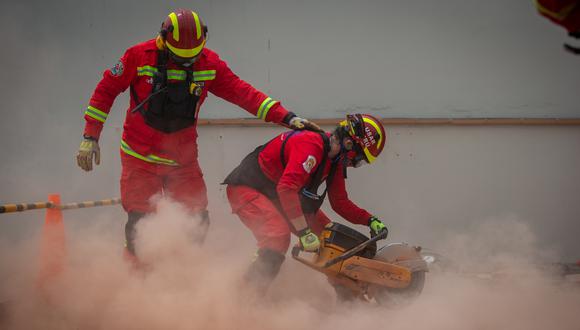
(308,240)
(377,227)
(89,147)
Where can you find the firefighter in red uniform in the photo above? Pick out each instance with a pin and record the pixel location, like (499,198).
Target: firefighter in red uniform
(169,78)
(565,13)
(274,191)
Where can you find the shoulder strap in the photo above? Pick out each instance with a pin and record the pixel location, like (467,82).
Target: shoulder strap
(317,178)
(159,81)
(161,74)
(283,147)
(312,188)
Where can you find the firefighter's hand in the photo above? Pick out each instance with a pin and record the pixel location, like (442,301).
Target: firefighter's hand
(88,148)
(377,227)
(298,123)
(308,240)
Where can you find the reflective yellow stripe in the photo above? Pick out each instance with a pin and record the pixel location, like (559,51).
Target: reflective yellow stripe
(197,24)
(146,71)
(560,15)
(96,114)
(186,53)
(265,108)
(175,23)
(176,74)
(150,158)
(370,157)
(377,128)
(204,75)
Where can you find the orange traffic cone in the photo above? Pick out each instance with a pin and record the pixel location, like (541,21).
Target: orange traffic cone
(52,248)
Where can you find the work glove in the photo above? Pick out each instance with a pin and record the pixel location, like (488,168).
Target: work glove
(377,227)
(89,147)
(308,240)
(297,123)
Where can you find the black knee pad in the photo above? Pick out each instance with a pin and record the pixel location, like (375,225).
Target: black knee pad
(133,218)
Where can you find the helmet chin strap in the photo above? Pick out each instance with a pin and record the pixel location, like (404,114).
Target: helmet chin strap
(342,154)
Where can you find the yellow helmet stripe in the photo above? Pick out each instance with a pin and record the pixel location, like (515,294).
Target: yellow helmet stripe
(370,157)
(197,24)
(186,53)
(377,128)
(560,15)
(175,23)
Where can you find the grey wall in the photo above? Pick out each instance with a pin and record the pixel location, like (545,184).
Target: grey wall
(453,58)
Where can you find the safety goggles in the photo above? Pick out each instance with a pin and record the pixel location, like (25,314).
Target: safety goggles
(183,61)
(356,127)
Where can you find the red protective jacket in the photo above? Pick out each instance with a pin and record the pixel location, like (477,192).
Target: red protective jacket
(303,153)
(562,12)
(136,69)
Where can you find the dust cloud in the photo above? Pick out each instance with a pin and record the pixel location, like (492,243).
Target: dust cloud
(495,281)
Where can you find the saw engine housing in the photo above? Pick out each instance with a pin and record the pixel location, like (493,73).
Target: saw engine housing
(371,272)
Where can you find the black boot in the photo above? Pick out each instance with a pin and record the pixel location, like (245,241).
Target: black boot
(201,231)
(130,230)
(263,270)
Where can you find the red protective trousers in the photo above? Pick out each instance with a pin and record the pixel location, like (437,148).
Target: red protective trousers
(140,181)
(260,215)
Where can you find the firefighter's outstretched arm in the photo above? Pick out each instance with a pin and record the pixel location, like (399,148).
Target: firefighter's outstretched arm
(347,209)
(232,88)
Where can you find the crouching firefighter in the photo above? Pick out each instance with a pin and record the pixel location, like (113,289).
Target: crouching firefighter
(274,191)
(169,78)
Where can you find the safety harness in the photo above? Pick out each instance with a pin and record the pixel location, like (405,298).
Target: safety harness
(173,99)
(249,173)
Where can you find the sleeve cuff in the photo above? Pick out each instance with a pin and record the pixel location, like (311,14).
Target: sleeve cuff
(277,114)
(93,130)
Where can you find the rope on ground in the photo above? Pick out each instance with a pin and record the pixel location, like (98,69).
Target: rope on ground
(9,208)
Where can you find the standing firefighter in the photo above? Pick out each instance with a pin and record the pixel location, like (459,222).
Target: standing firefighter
(565,13)
(274,190)
(169,78)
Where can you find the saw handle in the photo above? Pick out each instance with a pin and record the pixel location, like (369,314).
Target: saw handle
(354,250)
